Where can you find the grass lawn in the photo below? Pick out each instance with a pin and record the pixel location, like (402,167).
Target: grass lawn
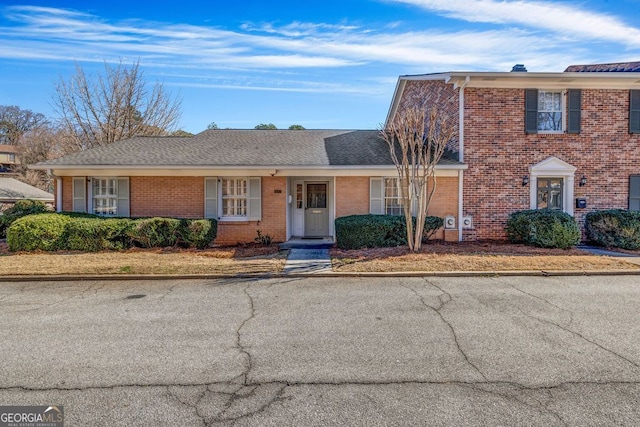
(435,256)
(224,260)
(472,256)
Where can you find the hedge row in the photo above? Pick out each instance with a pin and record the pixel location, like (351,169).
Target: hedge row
(374,231)
(614,228)
(18,210)
(90,233)
(544,228)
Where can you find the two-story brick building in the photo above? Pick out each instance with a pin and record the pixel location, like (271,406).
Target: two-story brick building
(567,140)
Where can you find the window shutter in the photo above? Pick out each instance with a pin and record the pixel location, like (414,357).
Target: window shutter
(634,193)
(211,198)
(376,196)
(634,111)
(531,111)
(254,201)
(575,110)
(79,195)
(123,197)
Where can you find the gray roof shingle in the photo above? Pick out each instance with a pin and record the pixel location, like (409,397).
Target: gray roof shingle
(11,190)
(228,148)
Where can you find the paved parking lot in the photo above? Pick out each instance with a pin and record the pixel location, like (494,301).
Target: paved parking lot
(326,351)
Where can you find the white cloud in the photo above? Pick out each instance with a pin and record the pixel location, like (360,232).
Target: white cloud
(558,17)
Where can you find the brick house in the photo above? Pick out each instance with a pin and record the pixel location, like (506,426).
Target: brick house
(568,140)
(284,183)
(8,158)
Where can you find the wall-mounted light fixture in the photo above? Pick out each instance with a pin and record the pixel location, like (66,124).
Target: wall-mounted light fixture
(583,181)
(525,180)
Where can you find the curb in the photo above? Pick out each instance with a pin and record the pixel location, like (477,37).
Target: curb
(256,276)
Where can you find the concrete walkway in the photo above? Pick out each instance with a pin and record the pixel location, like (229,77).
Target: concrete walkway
(308,261)
(634,259)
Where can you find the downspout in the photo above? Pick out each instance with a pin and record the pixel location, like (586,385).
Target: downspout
(461,155)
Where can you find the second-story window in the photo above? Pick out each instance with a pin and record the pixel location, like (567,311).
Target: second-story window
(550,111)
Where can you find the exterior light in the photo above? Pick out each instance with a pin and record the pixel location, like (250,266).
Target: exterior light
(525,180)
(583,181)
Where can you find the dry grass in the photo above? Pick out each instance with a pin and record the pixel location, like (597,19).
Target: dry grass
(481,256)
(224,260)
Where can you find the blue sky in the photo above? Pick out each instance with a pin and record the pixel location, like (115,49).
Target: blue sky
(321,64)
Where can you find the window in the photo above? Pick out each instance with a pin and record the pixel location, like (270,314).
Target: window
(392,200)
(634,111)
(12,158)
(549,111)
(550,193)
(634,193)
(234,197)
(105,196)
(545,111)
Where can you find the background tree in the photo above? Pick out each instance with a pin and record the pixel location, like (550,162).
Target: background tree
(264,126)
(38,145)
(213,125)
(296,127)
(417,137)
(115,105)
(15,122)
(181,132)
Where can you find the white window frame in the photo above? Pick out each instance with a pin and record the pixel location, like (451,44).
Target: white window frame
(109,197)
(238,198)
(397,198)
(562,111)
(11,157)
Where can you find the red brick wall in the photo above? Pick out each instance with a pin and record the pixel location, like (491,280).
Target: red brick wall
(433,93)
(274,212)
(183,197)
(499,154)
(352,195)
(168,196)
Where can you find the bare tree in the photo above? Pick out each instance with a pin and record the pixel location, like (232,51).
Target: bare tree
(113,106)
(38,145)
(418,136)
(15,122)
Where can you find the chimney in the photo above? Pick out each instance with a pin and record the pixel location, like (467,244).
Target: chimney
(519,68)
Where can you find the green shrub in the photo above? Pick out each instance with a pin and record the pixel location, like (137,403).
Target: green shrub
(370,231)
(376,231)
(18,210)
(97,234)
(614,228)
(431,225)
(41,231)
(155,232)
(544,228)
(198,233)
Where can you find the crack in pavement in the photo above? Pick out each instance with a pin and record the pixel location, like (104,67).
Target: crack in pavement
(569,312)
(579,335)
(242,348)
(516,398)
(444,299)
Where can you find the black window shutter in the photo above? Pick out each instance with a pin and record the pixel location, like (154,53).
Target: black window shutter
(531,111)
(575,109)
(634,111)
(634,193)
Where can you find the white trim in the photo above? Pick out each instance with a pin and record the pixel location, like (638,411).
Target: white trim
(59,194)
(553,167)
(460,203)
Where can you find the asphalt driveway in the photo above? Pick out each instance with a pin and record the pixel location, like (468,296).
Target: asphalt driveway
(326,351)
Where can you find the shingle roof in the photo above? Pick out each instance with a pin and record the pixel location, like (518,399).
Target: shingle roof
(228,148)
(619,67)
(11,189)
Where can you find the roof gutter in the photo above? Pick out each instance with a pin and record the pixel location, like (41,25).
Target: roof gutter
(269,168)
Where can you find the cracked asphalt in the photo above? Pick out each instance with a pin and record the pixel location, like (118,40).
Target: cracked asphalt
(534,351)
